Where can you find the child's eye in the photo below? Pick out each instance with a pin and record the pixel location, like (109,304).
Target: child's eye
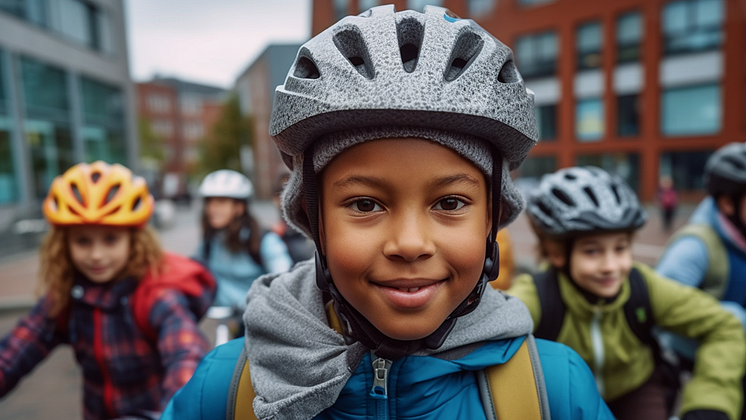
(82,241)
(365,205)
(449,204)
(111,239)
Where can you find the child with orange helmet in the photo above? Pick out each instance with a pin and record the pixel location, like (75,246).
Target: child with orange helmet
(128,309)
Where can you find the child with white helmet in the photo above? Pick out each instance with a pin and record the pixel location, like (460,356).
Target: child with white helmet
(593,297)
(400,130)
(234,246)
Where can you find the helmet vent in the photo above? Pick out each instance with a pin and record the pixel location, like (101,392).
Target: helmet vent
(544,208)
(466,48)
(76,193)
(410,33)
(615,190)
(112,192)
(591,195)
(570,176)
(136,204)
(562,196)
(95,177)
(508,73)
(730,160)
(305,68)
(351,44)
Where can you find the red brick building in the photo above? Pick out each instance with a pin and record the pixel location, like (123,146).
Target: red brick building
(643,88)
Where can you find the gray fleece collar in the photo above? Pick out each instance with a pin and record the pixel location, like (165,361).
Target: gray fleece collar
(299,365)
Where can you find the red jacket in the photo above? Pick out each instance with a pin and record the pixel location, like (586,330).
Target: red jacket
(128,365)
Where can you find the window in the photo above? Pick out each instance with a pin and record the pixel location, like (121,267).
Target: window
(546,119)
(625,165)
(103,118)
(33,11)
(364,5)
(588,45)
(75,22)
(163,128)
(419,5)
(340,8)
(194,131)
(45,90)
(628,37)
(627,117)
(8,181)
(536,55)
(191,105)
(589,120)
(480,7)
(685,168)
(158,103)
(534,2)
(692,110)
(3,94)
(692,25)
(531,171)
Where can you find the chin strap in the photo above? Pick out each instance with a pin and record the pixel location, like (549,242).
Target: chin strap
(355,326)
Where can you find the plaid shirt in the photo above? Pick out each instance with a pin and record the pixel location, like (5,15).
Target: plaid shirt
(124,372)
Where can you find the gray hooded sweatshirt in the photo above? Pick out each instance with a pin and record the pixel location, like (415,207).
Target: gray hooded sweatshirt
(299,364)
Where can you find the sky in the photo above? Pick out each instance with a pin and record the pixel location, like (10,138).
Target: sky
(210,42)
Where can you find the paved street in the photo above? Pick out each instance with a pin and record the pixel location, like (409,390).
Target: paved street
(52,391)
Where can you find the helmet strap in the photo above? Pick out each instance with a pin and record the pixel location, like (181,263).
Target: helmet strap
(358,328)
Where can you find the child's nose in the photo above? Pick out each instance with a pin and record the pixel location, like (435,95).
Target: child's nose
(409,238)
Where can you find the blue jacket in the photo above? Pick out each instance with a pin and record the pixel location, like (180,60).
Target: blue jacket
(421,387)
(235,271)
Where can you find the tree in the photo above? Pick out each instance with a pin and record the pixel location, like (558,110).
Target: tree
(222,147)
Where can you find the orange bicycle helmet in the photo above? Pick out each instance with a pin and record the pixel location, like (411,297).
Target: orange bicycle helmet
(98,193)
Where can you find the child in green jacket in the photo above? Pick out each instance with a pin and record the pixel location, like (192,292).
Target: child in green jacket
(585,220)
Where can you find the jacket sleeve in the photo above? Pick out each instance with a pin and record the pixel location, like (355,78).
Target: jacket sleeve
(275,254)
(571,388)
(524,289)
(720,359)
(180,342)
(205,396)
(27,344)
(685,261)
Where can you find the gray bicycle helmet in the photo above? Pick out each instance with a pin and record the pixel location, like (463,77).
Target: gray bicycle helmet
(403,74)
(725,171)
(582,200)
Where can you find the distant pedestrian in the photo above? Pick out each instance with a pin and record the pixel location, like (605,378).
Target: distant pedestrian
(668,200)
(128,309)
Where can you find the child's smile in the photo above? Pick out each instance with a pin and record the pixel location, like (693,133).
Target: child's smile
(404,228)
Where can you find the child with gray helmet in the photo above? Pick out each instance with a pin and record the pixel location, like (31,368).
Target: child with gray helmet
(710,251)
(400,130)
(593,297)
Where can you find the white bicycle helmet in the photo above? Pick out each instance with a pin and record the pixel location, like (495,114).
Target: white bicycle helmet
(582,200)
(226,183)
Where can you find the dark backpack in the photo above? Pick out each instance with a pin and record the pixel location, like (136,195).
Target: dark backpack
(637,312)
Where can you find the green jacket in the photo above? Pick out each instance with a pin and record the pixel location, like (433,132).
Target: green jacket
(621,363)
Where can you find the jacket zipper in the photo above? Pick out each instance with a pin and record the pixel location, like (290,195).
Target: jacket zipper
(597,341)
(379,390)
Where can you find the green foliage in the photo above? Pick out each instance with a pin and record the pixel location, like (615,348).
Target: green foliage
(222,147)
(151,144)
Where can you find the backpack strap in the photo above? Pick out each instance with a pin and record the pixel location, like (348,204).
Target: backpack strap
(515,390)
(552,305)
(716,277)
(241,392)
(637,310)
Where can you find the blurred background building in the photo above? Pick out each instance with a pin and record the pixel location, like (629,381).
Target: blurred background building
(643,88)
(255,88)
(174,116)
(65,97)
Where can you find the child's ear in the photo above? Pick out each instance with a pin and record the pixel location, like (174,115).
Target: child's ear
(725,205)
(555,254)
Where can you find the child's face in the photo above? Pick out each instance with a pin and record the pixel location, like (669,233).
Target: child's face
(221,211)
(599,263)
(405,223)
(99,252)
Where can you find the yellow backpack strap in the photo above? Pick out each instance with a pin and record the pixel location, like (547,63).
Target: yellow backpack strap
(716,276)
(241,392)
(515,390)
